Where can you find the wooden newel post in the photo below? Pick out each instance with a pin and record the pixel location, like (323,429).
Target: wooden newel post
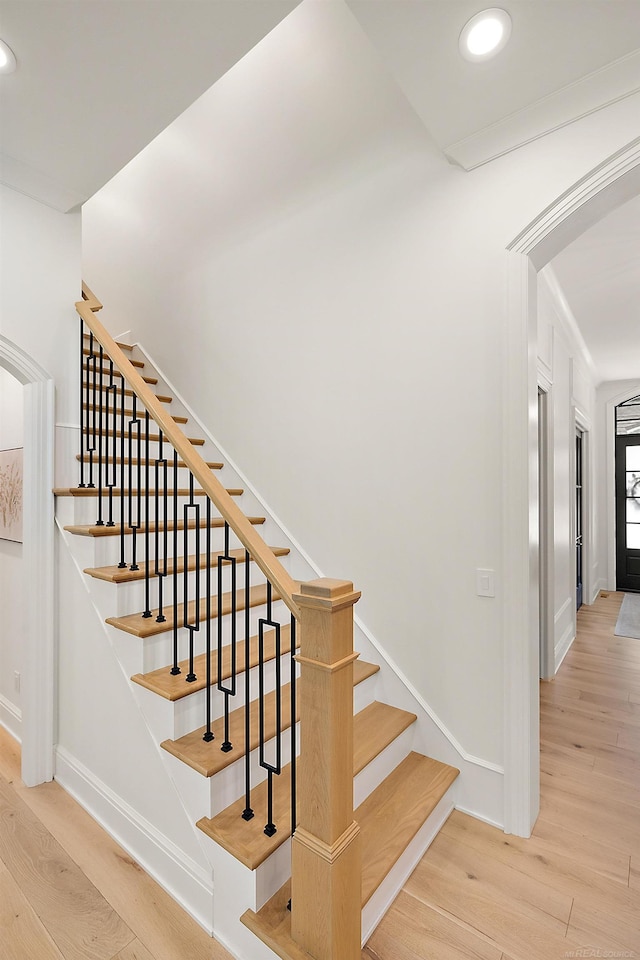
(326,872)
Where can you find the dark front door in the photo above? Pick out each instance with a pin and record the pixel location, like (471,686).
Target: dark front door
(628,512)
(579,542)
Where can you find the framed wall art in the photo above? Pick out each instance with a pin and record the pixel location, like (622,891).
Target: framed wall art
(11,494)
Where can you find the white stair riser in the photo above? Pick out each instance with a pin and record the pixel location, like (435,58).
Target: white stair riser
(86,509)
(170,720)
(158,650)
(381,766)
(229,784)
(206,797)
(107,548)
(131,596)
(364,693)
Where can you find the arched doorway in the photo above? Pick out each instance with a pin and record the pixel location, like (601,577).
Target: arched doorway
(605,188)
(38,535)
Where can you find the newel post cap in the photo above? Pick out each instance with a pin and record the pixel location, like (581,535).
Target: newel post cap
(327,594)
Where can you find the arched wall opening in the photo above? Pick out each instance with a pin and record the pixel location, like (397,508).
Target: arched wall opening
(38,673)
(606,187)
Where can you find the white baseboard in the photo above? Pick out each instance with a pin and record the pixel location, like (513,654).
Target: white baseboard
(11,718)
(564,645)
(181,877)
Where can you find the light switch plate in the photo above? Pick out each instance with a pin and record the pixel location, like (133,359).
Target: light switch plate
(485,583)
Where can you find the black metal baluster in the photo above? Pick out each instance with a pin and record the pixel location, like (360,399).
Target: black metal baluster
(134,524)
(230,691)
(90,415)
(195,626)
(123,482)
(110,455)
(82,443)
(294,819)
(271,768)
(247,813)
(147,522)
(208,734)
(175,669)
(160,569)
(100,521)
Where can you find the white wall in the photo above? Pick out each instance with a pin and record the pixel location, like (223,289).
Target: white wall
(12,580)
(565,370)
(343,335)
(96,713)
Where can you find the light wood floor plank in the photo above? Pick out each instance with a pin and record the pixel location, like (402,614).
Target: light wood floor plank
(22,935)
(9,756)
(153,916)
(417,932)
(566,863)
(74,913)
(503,922)
(593,922)
(584,852)
(134,951)
(501,882)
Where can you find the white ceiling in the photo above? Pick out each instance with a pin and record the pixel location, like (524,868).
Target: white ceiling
(99,79)
(600,276)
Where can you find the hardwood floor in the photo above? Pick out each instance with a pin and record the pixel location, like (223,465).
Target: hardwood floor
(573,889)
(68,892)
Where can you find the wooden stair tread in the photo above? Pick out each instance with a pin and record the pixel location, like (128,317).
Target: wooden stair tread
(92,530)
(212,464)
(174,686)
(139,626)
(87,352)
(377,726)
(116,574)
(272,925)
(246,840)
(123,346)
(207,758)
(153,437)
(95,492)
(362,670)
(106,372)
(127,412)
(391,816)
(127,392)
(389,819)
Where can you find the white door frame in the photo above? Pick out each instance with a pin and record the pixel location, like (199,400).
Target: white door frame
(38,666)
(608,186)
(545,528)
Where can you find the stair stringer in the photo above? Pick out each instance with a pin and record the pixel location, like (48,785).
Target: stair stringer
(479,790)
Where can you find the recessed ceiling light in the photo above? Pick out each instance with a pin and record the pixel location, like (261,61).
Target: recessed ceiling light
(485,34)
(7,58)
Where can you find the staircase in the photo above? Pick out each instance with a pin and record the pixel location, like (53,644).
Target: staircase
(180,623)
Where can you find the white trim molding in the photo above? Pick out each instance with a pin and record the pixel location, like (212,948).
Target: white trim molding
(610,84)
(38,675)
(181,877)
(11,718)
(610,184)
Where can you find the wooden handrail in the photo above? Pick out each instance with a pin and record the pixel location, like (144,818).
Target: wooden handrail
(90,298)
(242,528)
